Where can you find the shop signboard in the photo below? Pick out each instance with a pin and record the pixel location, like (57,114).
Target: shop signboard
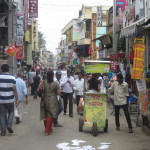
(76,31)
(20,29)
(99,16)
(34,35)
(11,51)
(120,7)
(20,53)
(26,10)
(33,8)
(95,109)
(94,67)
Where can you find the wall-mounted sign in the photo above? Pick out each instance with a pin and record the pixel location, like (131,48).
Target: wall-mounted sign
(26,11)
(33,8)
(20,29)
(99,16)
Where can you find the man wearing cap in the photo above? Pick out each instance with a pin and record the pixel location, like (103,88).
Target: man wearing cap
(68,83)
(60,107)
(22,91)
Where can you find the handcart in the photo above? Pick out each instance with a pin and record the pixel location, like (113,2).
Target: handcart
(95,103)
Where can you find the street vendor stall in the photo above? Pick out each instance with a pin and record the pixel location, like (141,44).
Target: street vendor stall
(95,102)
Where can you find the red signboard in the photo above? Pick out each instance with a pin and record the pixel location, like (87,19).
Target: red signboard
(33,8)
(11,50)
(20,53)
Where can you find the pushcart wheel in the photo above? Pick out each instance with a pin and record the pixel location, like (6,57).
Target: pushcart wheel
(106,126)
(94,129)
(81,123)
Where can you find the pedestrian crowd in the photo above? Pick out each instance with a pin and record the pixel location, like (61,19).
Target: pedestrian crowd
(55,91)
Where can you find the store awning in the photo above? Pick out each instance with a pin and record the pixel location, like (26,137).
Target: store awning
(105,39)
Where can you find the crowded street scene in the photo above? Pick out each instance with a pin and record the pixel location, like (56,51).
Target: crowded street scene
(75,75)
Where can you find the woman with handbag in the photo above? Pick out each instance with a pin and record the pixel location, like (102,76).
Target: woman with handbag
(49,102)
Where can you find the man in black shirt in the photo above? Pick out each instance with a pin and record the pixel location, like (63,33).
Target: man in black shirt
(36,82)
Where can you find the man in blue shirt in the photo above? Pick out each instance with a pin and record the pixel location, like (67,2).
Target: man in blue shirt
(22,91)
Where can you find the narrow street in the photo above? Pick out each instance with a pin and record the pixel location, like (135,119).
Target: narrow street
(29,134)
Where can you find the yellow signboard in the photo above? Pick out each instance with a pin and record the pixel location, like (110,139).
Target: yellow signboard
(95,109)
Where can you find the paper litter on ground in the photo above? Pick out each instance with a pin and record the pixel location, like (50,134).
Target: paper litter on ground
(77,142)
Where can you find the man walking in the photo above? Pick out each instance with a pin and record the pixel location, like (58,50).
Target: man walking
(120,89)
(8,95)
(79,88)
(22,91)
(68,83)
(31,76)
(36,82)
(60,107)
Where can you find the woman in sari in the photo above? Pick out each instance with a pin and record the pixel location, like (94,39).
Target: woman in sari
(49,102)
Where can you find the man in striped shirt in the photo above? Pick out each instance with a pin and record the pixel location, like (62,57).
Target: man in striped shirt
(8,95)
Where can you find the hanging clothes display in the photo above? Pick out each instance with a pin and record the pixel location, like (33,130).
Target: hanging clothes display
(138,63)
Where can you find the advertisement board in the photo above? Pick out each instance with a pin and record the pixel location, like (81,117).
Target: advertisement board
(95,109)
(120,7)
(94,67)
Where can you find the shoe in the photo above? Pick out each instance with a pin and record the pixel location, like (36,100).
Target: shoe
(70,115)
(65,113)
(58,125)
(130,130)
(10,130)
(17,120)
(117,128)
(3,134)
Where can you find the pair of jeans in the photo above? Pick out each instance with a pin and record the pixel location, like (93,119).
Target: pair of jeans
(32,89)
(126,112)
(6,121)
(67,96)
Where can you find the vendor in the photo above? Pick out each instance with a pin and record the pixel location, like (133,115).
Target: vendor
(94,83)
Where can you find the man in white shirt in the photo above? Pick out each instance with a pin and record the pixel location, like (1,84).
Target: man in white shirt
(22,92)
(79,88)
(120,89)
(68,83)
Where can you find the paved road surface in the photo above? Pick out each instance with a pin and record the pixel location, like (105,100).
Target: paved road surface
(29,135)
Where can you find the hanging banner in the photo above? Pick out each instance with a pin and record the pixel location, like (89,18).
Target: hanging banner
(120,7)
(26,11)
(20,53)
(20,29)
(11,50)
(33,8)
